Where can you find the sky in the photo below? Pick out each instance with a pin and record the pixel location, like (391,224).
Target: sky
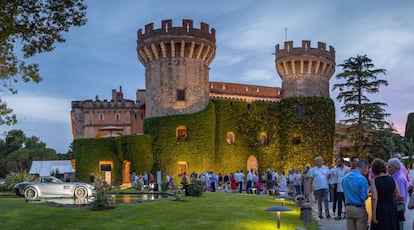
(101,55)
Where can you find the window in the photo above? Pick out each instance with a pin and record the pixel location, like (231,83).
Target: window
(249,107)
(296,140)
(101,117)
(105,166)
(117,116)
(181,133)
(230,138)
(263,138)
(180,95)
(182,168)
(301,110)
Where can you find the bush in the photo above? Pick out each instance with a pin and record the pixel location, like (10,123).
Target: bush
(196,188)
(17,177)
(5,188)
(164,186)
(177,194)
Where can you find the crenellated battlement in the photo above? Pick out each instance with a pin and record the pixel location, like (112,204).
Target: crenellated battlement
(306,49)
(170,42)
(305,70)
(167,28)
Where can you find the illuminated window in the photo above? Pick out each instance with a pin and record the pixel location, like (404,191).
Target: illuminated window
(181,133)
(105,166)
(263,138)
(230,138)
(101,117)
(182,168)
(180,95)
(117,116)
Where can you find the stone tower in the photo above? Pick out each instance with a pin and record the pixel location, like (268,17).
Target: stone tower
(305,71)
(176,61)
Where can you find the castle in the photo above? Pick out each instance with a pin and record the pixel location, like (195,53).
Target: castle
(178,90)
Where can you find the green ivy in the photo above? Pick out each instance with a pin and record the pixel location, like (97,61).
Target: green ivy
(316,129)
(206,147)
(134,148)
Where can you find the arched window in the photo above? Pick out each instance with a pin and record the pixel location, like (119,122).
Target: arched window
(181,133)
(263,138)
(230,138)
(101,117)
(117,116)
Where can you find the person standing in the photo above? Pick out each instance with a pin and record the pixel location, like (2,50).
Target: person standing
(306,184)
(354,160)
(333,184)
(339,173)
(319,179)
(240,181)
(355,186)
(99,181)
(297,182)
(233,183)
(226,179)
(394,169)
(92,179)
(249,181)
(283,183)
(411,205)
(384,192)
(404,170)
(133,179)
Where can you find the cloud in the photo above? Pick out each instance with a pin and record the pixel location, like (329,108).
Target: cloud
(31,109)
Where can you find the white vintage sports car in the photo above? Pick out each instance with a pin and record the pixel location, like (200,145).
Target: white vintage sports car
(50,186)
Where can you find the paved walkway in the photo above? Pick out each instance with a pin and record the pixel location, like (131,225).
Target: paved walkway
(328,224)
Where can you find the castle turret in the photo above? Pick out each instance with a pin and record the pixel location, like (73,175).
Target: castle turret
(176,61)
(305,71)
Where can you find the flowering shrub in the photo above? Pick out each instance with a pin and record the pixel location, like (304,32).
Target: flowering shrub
(101,199)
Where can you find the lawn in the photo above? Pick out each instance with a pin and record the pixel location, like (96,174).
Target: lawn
(211,211)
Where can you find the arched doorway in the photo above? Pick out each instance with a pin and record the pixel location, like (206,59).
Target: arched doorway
(252,163)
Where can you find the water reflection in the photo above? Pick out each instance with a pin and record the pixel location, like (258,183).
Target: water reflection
(113,199)
(66,202)
(135,198)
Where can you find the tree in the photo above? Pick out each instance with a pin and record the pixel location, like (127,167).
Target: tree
(22,158)
(34,142)
(362,115)
(33,26)
(409,127)
(18,152)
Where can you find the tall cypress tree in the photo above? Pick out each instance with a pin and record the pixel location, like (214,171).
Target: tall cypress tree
(363,116)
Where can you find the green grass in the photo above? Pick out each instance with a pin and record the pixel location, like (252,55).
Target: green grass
(211,211)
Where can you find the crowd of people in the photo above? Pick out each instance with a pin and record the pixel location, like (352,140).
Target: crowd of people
(388,186)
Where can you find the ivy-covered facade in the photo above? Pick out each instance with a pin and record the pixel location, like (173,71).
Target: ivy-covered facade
(225,137)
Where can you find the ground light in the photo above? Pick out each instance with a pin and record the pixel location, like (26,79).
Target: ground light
(282,198)
(278,209)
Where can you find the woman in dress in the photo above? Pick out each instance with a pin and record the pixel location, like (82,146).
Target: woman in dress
(384,192)
(233,184)
(283,183)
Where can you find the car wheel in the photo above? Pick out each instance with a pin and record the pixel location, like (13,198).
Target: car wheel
(30,194)
(81,192)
